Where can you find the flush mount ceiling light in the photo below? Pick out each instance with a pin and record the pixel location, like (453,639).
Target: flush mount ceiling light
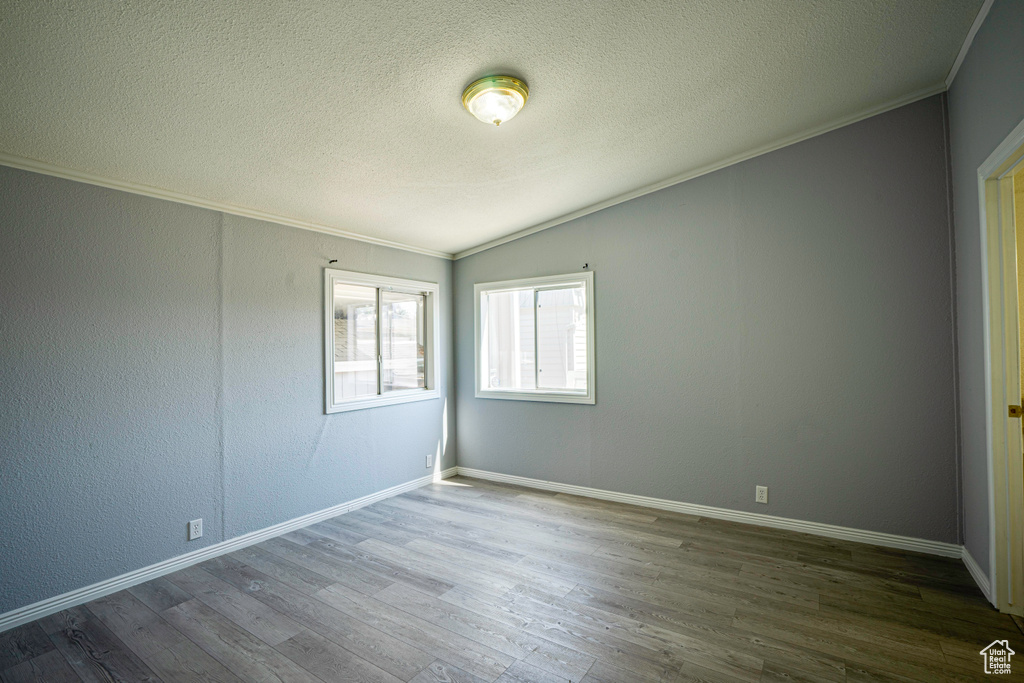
(495,99)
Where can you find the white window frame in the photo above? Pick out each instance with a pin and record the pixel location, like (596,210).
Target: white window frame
(431,333)
(547,395)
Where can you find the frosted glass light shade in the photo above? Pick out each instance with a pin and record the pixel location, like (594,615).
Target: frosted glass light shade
(495,99)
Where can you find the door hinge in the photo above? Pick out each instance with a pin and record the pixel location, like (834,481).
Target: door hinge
(1016,411)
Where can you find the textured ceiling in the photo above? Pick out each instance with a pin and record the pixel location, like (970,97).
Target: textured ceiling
(348,114)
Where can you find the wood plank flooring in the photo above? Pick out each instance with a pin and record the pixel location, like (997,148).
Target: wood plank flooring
(470,581)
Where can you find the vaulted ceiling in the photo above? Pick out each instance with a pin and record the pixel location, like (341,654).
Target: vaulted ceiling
(347,115)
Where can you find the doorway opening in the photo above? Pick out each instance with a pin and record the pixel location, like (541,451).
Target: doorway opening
(1001,191)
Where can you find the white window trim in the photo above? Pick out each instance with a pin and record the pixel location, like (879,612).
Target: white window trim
(432,340)
(547,395)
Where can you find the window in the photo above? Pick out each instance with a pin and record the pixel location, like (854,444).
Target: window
(380,338)
(535,339)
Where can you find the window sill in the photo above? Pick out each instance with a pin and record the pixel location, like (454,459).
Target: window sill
(380,401)
(587,399)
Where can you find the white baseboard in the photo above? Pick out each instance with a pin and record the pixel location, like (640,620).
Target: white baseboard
(979,576)
(816,528)
(79,596)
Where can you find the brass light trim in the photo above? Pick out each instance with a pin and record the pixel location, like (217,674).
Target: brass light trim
(508,85)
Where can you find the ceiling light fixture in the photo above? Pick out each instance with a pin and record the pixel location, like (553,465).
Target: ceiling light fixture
(495,99)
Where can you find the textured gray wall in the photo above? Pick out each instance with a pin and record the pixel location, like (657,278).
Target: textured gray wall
(986,101)
(786,321)
(160,362)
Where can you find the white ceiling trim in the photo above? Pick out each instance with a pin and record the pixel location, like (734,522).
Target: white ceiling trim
(159,193)
(965,48)
(711,168)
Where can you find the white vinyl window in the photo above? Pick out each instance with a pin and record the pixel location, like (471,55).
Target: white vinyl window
(380,337)
(535,339)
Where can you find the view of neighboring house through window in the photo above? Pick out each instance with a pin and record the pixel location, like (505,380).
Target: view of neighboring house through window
(402,341)
(535,339)
(380,337)
(355,341)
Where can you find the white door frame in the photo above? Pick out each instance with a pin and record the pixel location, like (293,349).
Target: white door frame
(1002,370)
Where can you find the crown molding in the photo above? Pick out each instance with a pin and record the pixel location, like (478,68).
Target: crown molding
(35,166)
(169,195)
(965,48)
(711,168)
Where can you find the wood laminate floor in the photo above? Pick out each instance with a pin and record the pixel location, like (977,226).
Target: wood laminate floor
(470,581)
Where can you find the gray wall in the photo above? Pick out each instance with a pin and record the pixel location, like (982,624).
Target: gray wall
(786,321)
(160,362)
(986,101)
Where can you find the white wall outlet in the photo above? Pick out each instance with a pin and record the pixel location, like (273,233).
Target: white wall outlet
(761,494)
(430,460)
(195,529)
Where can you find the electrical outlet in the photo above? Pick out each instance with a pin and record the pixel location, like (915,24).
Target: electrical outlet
(430,460)
(761,494)
(195,529)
